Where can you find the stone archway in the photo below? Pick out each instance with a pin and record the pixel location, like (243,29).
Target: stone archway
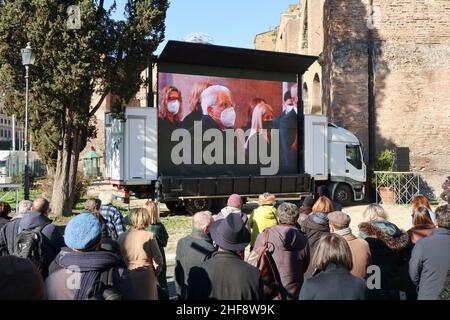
(316,103)
(305,94)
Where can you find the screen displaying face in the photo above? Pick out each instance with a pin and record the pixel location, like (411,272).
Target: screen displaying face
(211,126)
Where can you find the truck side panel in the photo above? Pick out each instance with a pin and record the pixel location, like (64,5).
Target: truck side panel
(316,146)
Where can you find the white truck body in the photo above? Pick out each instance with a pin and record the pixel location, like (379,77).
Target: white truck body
(131,147)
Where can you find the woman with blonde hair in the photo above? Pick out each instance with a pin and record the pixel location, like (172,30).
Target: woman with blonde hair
(265,216)
(261,115)
(389,248)
(160,232)
(316,225)
(170,108)
(332,279)
(141,253)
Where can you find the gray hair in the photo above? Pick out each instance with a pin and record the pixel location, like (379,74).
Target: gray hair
(209,96)
(375,212)
(287,213)
(106,197)
(24,206)
(201,220)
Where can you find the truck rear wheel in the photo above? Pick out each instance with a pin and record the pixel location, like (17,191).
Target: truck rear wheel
(195,205)
(343,194)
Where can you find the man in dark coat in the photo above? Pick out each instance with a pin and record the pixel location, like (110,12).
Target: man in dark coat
(226,276)
(53,239)
(193,250)
(430,259)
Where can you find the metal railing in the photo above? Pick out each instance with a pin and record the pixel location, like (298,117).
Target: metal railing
(396,187)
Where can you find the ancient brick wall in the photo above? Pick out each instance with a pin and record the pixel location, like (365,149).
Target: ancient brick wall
(412,89)
(412,77)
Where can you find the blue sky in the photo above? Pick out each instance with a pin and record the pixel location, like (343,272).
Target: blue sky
(230,22)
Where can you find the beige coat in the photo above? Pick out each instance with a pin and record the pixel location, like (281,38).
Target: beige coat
(141,253)
(361,255)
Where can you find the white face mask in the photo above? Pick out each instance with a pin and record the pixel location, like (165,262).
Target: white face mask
(173,106)
(228,117)
(289,108)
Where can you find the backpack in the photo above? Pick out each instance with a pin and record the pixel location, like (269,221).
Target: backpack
(103,288)
(262,259)
(29,244)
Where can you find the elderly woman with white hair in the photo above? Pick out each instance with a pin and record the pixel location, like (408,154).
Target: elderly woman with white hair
(389,248)
(112,215)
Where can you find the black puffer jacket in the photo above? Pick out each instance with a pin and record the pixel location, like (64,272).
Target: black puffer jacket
(389,247)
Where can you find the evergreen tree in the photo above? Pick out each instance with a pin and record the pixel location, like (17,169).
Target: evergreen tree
(102,56)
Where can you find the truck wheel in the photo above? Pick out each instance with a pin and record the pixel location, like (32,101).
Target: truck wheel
(195,205)
(176,206)
(343,194)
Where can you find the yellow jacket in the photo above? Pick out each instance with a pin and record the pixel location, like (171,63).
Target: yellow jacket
(261,218)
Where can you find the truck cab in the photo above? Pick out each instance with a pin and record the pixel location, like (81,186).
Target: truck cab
(347,170)
(334,157)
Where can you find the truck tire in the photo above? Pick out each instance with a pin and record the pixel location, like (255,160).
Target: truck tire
(176,206)
(343,194)
(195,205)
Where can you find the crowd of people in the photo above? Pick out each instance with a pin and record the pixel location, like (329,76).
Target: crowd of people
(277,252)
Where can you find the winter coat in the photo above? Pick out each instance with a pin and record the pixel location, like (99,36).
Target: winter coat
(4,221)
(361,256)
(141,253)
(291,255)
(303,213)
(429,264)
(191,251)
(334,283)
(225,277)
(62,284)
(162,237)
(314,227)
(227,210)
(261,218)
(419,232)
(53,235)
(388,246)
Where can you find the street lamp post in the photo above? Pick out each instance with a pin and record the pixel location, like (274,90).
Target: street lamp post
(28,58)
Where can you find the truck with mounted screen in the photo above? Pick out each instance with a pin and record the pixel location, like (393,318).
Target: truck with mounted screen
(229,120)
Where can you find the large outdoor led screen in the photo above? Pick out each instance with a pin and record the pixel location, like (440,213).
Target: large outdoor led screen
(212,126)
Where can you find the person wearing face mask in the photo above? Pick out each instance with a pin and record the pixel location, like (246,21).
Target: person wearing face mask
(170,112)
(217,107)
(218,114)
(286,123)
(260,132)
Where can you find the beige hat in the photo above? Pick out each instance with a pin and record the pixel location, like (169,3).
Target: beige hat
(266,199)
(339,219)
